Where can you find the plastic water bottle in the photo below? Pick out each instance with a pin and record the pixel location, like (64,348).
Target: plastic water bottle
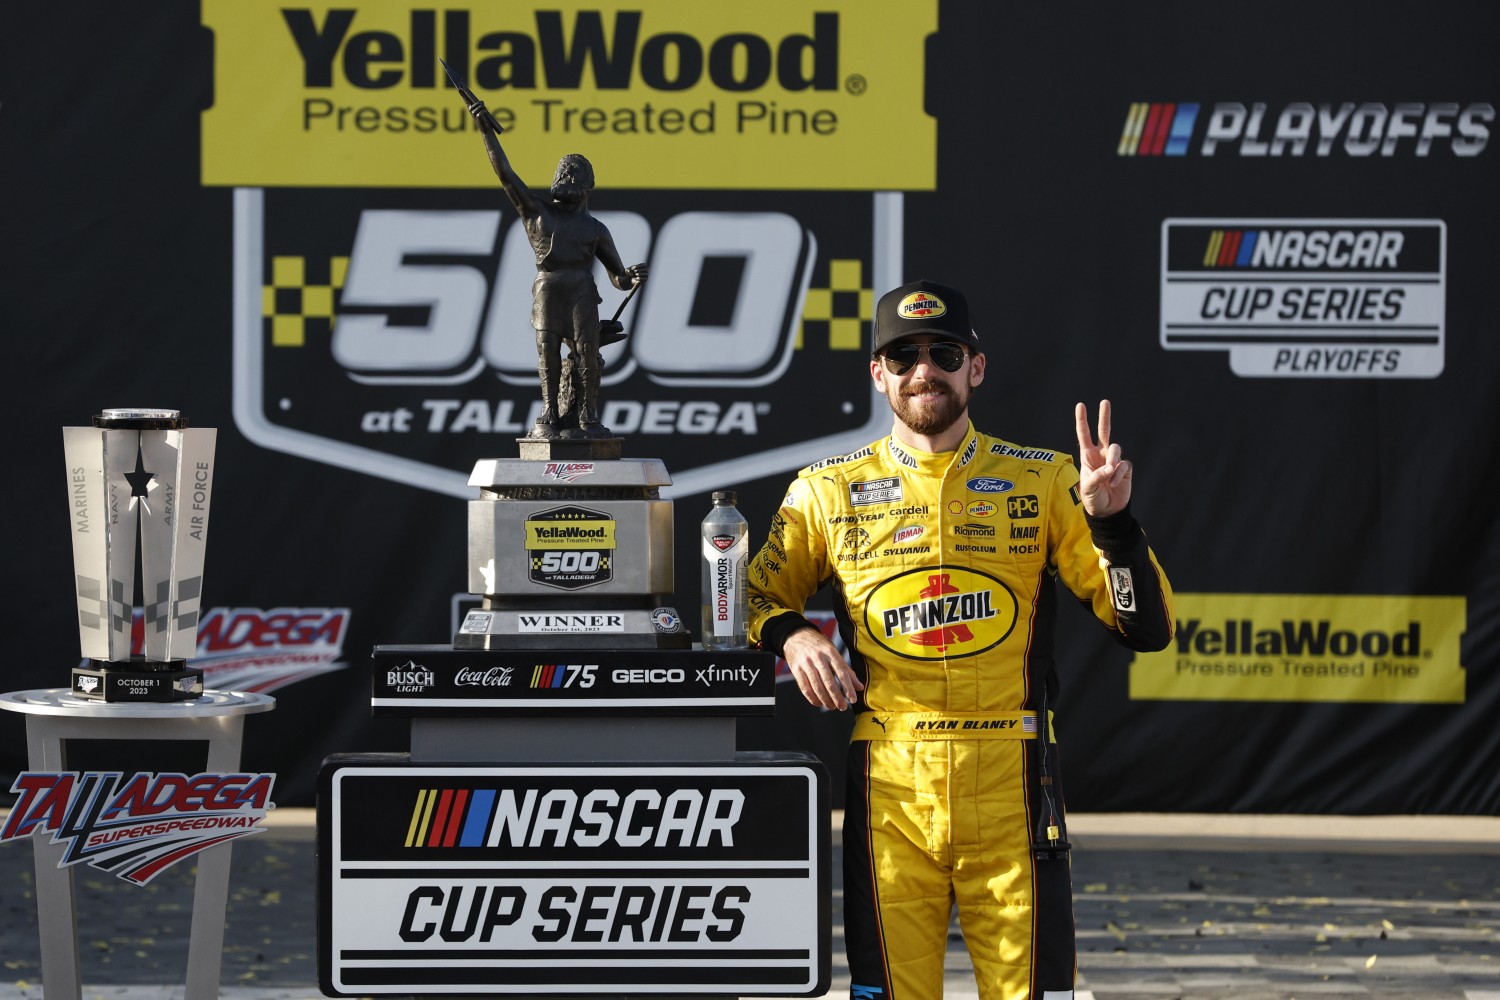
(726,551)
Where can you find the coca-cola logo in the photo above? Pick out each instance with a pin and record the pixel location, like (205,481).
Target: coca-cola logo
(488,677)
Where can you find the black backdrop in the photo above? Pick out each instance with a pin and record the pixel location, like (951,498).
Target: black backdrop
(118,288)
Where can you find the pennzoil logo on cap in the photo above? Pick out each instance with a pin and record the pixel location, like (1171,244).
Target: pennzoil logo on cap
(921,305)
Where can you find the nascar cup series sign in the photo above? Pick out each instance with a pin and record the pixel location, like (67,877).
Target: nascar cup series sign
(652,878)
(1308,298)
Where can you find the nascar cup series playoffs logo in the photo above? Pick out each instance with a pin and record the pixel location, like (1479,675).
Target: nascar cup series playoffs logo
(1308,298)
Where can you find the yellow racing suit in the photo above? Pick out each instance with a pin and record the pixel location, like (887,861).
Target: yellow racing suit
(942,569)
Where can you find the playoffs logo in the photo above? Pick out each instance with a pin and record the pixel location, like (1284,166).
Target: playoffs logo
(138,826)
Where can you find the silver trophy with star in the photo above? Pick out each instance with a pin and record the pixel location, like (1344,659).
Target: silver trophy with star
(139,485)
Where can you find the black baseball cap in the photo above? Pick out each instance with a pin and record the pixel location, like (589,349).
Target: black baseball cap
(924,306)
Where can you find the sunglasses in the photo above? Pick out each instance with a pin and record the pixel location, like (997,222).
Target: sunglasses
(902,358)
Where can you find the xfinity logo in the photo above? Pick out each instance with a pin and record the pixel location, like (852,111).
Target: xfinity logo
(1304,129)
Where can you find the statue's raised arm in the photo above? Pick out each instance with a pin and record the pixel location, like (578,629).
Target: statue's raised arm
(515,189)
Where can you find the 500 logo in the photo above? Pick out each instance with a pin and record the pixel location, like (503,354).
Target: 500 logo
(386,339)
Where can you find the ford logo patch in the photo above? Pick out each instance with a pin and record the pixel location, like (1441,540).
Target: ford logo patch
(984,484)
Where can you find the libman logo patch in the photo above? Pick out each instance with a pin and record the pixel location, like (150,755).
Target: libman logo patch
(940,612)
(1297,647)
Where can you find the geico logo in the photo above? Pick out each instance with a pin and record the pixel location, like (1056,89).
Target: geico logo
(594,913)
(1366,129)
(643,675)
(225,629)
(1295,638)
(640,818)
(670,59)
(461,336)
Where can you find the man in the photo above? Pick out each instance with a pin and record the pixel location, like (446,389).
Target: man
(564,300)
(942,545)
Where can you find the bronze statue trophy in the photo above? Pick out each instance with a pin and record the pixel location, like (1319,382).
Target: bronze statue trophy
(566,240)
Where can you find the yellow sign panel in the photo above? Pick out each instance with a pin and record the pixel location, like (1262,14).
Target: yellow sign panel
(778,94)
(585,534)
(1294,647)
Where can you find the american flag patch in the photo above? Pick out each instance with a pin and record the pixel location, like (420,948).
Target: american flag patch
(1028,724)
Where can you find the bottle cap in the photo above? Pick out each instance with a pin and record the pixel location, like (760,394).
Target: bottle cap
(729,497)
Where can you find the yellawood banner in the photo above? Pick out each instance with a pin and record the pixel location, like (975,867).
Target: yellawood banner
(776,94)
(1293,647)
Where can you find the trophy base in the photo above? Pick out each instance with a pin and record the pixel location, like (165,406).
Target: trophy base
(576,449)
(137,680)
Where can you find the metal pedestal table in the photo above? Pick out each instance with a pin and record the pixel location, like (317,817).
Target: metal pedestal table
(54,716)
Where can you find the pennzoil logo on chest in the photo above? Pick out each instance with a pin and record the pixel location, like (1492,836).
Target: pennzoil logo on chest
(940,612)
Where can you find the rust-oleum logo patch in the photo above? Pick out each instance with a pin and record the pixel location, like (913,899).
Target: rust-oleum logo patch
(940,613)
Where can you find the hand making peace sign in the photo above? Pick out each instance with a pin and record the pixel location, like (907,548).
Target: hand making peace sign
(1103,475)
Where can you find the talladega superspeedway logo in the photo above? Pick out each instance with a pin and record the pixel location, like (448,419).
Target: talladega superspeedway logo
(136,826)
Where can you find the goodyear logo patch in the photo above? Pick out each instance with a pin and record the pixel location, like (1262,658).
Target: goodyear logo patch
(940,613)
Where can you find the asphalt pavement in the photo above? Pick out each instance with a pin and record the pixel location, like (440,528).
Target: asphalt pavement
(1181,907)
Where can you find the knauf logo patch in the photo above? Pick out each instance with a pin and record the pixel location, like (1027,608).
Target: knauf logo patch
(921,305)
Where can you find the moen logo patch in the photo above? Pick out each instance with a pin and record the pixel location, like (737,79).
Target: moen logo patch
(672,94)
(939,613)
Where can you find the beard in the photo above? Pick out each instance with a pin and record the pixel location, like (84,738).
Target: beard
(934,418)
